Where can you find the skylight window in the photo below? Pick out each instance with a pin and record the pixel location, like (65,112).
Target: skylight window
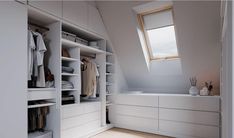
(159,32)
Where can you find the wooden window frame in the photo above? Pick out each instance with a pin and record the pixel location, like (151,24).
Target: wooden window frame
(146,37)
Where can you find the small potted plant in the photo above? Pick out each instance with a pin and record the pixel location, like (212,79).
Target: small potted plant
(193,89)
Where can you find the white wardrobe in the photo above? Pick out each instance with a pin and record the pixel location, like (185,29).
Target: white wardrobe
(80,119)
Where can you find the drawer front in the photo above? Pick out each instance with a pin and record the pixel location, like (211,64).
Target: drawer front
(92,107)
(137,111)
(72,111)
(188,130)
(190,103)
(75,110)
(81,131)
(41,95)
(136,123)
(197,117)
(142,100)
(80,120)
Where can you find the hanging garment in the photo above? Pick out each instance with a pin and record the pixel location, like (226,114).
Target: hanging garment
(40,50)
(89,76)
(31,48)
(97,83)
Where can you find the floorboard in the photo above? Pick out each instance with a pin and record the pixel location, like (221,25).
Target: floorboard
(124,133)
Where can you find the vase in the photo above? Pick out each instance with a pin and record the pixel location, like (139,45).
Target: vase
(193,91)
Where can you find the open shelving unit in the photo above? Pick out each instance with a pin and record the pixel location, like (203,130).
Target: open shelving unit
(55,60)
(110,84)
(47,97)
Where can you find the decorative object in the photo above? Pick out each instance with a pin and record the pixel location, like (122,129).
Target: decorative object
(193,90)
(206,90)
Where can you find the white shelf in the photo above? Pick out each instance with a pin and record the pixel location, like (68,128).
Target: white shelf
(109,53)
(40,105)
(109,64)
(109,74)
(69,59)
(69,89)
(69,74)
(83,48)
(109,104)
(109,84)
(41,89)
(70,105)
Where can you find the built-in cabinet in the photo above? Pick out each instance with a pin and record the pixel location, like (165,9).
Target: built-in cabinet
(76,12)
(51,7)
(181,116)
(80,13)
(79,119)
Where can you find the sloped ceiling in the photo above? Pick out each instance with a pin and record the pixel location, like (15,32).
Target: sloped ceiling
(197,29)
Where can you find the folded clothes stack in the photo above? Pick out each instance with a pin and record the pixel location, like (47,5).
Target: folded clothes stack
(67,85)
(68,99)
(67,69)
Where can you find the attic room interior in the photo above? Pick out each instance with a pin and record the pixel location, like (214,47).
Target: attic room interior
(117,69)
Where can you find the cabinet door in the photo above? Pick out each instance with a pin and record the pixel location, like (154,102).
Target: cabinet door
(76,12)
(95,23)
(52,7)
(13,62)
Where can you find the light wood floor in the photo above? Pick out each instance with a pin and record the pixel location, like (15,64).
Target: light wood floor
(123,133)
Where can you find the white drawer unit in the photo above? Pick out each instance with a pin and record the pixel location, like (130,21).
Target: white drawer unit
(206,103)
(81,131)
(141,100)
(76,110)
(137,111)
(181,116)
(187,116)
(137,123)
(80,120)
(186,130)
(41,94)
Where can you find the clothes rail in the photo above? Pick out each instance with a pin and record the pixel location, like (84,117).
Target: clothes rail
(39,26)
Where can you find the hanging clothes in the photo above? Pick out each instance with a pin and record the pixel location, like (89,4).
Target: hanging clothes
(36,50)
(31,48)
(89,78)
(40,50)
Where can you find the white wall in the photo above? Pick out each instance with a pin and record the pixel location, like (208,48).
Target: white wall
(227,79)
(197,25)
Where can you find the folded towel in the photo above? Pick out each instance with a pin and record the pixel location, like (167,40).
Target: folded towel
(67,85)
(67,69)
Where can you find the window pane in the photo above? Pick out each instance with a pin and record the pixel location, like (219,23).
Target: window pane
(163,42)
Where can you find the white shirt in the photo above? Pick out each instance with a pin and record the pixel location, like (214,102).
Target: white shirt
(40,50)
(31,48)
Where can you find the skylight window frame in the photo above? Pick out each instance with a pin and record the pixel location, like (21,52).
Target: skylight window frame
(146,37)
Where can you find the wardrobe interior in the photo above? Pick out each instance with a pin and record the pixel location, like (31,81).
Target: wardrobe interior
(74,69)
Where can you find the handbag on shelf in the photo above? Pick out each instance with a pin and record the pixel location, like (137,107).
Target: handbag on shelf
(65,53)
